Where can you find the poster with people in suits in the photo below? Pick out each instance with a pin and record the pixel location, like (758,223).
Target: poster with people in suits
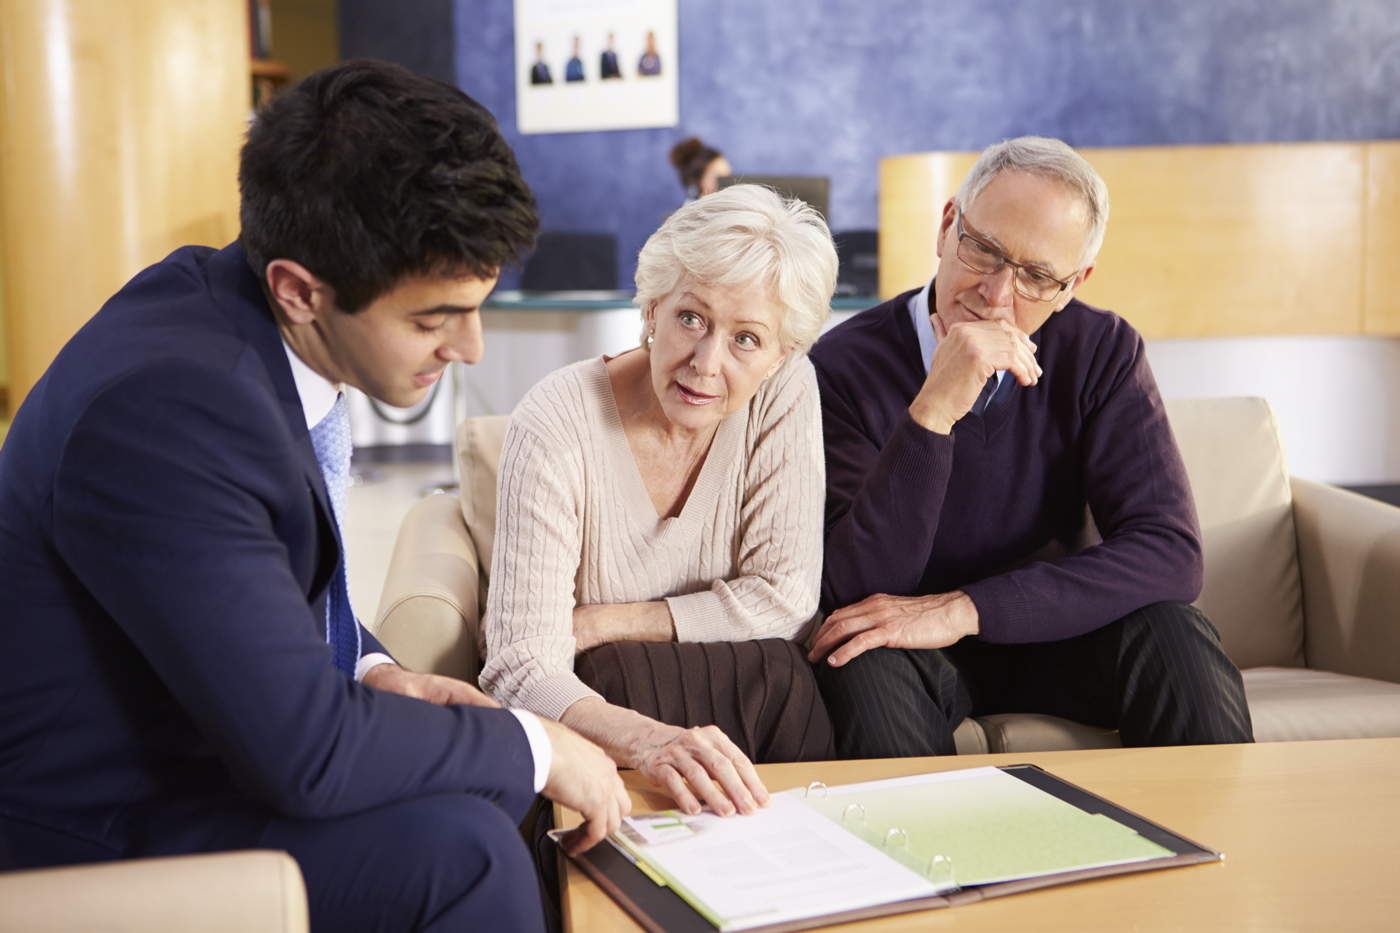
(584,65)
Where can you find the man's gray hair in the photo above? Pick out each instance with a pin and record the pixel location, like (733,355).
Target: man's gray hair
(1050,158)
(747,234)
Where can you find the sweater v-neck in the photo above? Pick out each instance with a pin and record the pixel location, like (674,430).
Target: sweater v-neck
(701,499)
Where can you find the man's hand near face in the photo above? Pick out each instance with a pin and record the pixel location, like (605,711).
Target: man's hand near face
(967,355)
(882,621)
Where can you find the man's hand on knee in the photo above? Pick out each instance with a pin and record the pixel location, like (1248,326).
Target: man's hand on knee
(883,621)
(434,688)
(582,777)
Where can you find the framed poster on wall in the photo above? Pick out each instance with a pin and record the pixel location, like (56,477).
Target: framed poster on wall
(595,65)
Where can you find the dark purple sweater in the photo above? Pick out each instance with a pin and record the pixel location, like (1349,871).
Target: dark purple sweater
(997,508)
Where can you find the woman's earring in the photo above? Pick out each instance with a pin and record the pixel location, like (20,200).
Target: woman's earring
(651,336)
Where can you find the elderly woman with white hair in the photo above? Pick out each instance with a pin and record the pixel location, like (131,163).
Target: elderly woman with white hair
(660,514)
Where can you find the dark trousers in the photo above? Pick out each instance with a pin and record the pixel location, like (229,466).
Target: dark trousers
(1158,675)
(444,862)
(761,693)
(450,862)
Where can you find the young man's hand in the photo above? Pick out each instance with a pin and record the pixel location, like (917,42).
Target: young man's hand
(434,688)
(582,777)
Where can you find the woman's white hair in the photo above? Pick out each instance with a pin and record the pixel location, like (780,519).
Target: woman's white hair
(747,234)
(1049,158)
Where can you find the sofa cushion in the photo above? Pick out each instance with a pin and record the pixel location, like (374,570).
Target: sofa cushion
(478,445)
(1037,732)
(218,892)
(969,738)
(1293,704)
(1286,704)
(429,611)
(1252,591)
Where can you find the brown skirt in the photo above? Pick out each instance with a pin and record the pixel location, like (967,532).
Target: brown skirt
(762,694)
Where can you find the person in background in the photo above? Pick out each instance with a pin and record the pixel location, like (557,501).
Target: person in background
(607,61)
(972,427)
(184,670)
(699,167)
(649,65)
(539,71)
(573,69)
(658,537)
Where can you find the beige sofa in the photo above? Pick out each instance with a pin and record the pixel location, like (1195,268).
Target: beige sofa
(226,892)
(1302,579)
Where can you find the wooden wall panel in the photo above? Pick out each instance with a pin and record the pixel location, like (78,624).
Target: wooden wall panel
(1232,240)
(1381,294)
(913,190)
(119,132)
(1226,240)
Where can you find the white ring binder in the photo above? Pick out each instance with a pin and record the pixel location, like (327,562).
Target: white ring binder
(940,871)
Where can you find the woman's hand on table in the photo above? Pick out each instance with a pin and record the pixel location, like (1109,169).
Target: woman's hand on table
(698,767)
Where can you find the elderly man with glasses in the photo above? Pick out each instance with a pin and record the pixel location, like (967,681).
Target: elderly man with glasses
(972,427)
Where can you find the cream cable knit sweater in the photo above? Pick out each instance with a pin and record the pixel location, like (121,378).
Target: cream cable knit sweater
(575,526)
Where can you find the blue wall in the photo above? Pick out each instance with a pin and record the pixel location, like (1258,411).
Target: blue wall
(830,86)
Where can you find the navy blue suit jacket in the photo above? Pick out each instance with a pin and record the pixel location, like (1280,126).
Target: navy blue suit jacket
(166,547)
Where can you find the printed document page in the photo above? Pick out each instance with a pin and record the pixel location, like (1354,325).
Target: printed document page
(784,862)
(825,850)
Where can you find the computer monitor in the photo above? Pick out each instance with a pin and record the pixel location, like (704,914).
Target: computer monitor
(566,260)
(814,189)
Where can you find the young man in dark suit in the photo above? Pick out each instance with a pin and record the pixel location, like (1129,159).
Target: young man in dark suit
(184,670)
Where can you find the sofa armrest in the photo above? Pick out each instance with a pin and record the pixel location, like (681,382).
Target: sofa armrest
(429,613)
(224,892)
(1349,558)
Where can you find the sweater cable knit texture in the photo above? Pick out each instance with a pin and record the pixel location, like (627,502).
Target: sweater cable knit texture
(576,526)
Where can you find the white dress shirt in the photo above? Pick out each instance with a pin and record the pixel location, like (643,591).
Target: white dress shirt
(318,395)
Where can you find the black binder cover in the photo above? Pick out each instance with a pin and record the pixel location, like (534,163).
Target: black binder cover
(660,910)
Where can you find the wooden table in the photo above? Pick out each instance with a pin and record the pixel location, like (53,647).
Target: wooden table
(1310,831)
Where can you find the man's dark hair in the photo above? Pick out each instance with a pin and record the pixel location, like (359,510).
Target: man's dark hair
(366,172)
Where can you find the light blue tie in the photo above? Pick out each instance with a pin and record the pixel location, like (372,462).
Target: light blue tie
(331,440)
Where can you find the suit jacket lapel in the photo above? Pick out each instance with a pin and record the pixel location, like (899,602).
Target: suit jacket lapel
(241,297)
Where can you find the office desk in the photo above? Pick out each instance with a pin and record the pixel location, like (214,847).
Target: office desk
(1310,831)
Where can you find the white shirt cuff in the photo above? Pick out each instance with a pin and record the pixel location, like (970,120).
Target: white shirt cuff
(363,665)
(540,749)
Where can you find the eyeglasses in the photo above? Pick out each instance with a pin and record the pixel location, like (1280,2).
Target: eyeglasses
(985,259)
